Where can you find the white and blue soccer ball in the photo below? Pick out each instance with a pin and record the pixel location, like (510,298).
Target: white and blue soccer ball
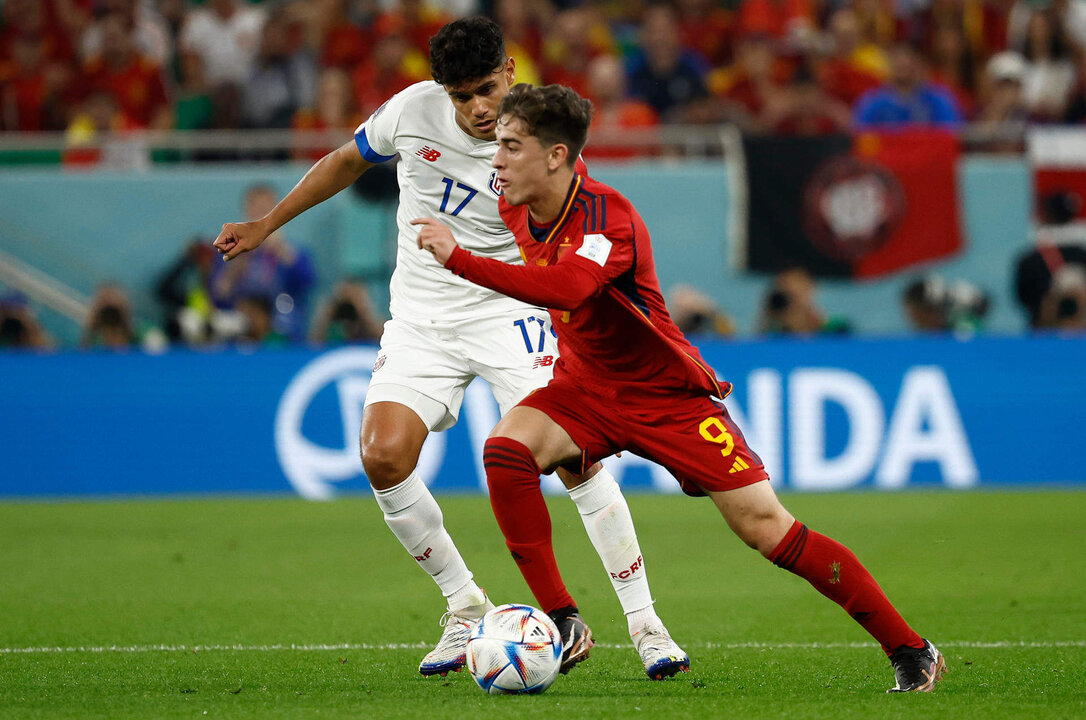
(514,649)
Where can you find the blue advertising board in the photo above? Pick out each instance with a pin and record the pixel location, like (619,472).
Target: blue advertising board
(823,414)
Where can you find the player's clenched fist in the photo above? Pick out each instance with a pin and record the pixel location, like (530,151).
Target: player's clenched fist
(435,237)
(237,238)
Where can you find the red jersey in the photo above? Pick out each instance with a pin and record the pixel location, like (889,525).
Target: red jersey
(593,268)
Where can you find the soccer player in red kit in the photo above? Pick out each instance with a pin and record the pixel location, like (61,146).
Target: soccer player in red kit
(627,378)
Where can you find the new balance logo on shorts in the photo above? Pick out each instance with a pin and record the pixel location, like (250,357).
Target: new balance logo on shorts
(428,154)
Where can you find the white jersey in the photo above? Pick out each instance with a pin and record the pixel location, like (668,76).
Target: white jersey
(443,173)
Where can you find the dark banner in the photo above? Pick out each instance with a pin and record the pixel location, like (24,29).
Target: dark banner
(844,206)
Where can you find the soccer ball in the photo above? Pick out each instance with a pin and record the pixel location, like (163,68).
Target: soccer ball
(514,649)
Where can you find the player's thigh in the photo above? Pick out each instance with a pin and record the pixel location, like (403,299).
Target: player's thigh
(391,440)
(593,428)
(427,361)
(514,352)
(548,441)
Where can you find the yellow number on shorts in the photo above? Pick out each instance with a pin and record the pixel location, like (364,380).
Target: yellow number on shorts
(714,431)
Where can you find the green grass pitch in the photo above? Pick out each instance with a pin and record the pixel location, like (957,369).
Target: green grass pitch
(270,608)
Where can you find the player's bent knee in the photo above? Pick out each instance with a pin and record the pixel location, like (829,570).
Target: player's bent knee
(387,460)
(763,530)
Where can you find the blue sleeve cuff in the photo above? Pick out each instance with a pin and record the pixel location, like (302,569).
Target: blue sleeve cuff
(367,152)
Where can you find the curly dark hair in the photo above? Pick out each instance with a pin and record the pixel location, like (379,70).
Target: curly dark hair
(466,49)
(552,113)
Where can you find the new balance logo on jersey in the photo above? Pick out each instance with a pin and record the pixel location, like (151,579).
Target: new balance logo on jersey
(544,361)
(424,556)
(428,154)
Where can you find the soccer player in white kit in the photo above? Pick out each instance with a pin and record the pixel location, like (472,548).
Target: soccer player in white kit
(445,331)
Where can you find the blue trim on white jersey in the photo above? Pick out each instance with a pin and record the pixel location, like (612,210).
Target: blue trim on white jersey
(367,152)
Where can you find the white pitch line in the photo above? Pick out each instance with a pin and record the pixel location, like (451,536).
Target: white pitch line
(1002,644)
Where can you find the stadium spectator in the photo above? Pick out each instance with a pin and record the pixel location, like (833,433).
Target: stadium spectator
(781,19)
(908,99)
(99,136)
(615,116)
(344,36)
(931,304)
(333,109)
(184,291)
(417,21)
(706,28)
(806,109)
(149,32)
(789,307)
(257,327)
(1005,104)
(954,66)
(664,74)
(347,317)
(109,323)
(695,313)
(134,80)
(1050,283)
(391,67)
(31,90)
(226,35)
(1069,15)
(520,21)
(853,65)
(753,86)
(999,126)
(576,37)
(284,76)
(1050,73)
(275,270)
(19,326)
(194,107)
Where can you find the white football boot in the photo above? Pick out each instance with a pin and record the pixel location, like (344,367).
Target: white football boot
(449,655)
(660,654)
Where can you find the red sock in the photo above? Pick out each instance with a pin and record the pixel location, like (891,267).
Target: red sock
(836,573)
(522,515)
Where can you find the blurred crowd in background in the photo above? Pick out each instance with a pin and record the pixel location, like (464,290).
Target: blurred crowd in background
(263,299)
(800,67)
(779,66)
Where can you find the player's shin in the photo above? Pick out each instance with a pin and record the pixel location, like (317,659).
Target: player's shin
(836,573)
(413,516)
(513,478)
(606,517)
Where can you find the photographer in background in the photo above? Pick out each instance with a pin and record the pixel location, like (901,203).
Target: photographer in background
(109,322)
(789,307)
(19,327)
(933,305)
(347,317)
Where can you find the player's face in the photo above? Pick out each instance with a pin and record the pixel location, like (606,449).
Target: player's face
(521,160)
(476,101)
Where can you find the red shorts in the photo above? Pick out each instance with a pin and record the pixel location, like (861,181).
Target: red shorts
(693,437)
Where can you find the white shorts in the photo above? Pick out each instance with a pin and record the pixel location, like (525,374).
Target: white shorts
(428,367)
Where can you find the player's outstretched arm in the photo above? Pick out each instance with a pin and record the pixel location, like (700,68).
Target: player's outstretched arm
(328,176)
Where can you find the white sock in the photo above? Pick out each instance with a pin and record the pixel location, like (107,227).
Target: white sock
(607,519)
(414,517)
(638,620)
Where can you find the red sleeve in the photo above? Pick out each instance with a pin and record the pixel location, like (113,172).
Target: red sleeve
(564,286)
(583,271)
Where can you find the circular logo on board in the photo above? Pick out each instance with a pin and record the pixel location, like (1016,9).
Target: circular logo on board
(851,208)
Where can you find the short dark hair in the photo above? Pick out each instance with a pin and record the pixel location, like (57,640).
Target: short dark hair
(552,113)
(466,49)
